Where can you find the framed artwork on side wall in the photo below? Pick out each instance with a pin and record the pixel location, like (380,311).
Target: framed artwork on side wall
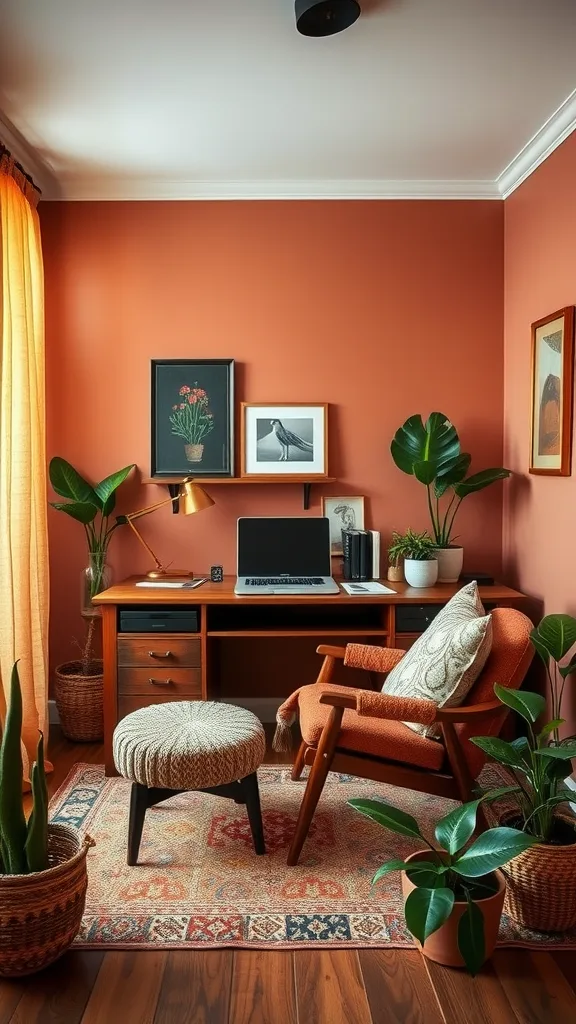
(283,440)
(345,513)
(192,417)
(552,393)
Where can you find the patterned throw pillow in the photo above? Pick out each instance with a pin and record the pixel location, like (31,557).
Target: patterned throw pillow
(444,663)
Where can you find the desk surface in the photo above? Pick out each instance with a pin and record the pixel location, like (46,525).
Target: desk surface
(223,593)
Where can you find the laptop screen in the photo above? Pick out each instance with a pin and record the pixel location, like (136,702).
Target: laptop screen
(278,546)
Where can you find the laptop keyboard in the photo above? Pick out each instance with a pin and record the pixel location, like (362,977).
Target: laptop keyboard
(279,581)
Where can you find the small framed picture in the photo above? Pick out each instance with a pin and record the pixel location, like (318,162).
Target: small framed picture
(552,393)
(192,417)
(345,513)
(283,440)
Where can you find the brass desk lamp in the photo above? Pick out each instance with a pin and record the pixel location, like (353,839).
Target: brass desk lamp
(192,498)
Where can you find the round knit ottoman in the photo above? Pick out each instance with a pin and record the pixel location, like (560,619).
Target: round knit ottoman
(190,745)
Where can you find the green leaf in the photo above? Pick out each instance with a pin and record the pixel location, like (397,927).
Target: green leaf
(526,704)
(569,669)
(478,481)
(82,511)
(388,816)
(563,752)
(500,750)
(471,942)
(426,910)
(454,830)
(68,483)
(385,869)
(424,450)
(427,873)
(555,635)
(453,475)
(106,489)
(550,727)
(556,769)
(491,850)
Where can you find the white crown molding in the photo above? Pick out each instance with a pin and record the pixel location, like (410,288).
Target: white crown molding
(28,158)
(552,133)
(142,189)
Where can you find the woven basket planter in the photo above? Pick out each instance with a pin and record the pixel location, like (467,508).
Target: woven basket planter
(541,886)
(41,913)
(80,702)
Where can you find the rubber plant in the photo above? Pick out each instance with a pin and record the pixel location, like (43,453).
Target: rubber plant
(453,875)
(92,505)
(23,845)
(431,452)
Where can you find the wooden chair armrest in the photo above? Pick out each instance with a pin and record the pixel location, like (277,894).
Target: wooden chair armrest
(471,713)
(383,705)
(331,652)
(339,700)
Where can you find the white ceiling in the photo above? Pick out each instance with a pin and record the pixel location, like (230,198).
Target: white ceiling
(186,98)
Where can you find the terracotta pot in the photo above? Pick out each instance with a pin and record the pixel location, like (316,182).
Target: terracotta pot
(541,884)
(80,701)
(395,573)
(442,945)
(194,452)
(421,573)
(449,563)
(41,913)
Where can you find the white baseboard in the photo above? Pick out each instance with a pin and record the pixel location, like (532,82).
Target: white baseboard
(264,708)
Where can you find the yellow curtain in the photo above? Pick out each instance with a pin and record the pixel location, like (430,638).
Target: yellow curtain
(24,580)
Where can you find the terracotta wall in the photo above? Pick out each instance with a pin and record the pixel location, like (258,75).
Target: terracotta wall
(382,309)
(540,277)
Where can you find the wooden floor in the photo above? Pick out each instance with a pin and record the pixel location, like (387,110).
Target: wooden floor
(316,987)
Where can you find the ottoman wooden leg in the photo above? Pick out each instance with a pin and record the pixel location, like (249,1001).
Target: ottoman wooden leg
(251,796)
(138,808)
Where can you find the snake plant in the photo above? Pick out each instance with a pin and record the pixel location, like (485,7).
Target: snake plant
(23,845)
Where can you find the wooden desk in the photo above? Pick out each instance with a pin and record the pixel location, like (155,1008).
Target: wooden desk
(214,662)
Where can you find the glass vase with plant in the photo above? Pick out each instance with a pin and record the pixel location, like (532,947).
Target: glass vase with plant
(453,891)
(542,890)
(432,453)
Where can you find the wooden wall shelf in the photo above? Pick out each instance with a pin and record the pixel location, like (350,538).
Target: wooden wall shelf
(173,482)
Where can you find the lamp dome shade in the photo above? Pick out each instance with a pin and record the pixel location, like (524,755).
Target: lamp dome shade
(325,17)
(193,498)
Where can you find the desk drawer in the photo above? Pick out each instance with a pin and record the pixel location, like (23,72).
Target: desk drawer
(126,705)
(159,652)
(173,682)
(415,618)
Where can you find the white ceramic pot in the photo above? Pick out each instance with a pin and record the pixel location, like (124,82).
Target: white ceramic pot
(449,563)
(421,574)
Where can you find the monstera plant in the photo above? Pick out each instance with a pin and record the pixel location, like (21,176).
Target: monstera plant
(431,452)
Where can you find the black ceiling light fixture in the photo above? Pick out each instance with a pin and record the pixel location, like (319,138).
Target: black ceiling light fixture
(325,17)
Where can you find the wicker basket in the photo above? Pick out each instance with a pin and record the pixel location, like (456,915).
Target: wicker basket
(80,702)
(41,913)
(541,886)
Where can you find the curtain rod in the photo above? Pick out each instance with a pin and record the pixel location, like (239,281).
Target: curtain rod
(4,151)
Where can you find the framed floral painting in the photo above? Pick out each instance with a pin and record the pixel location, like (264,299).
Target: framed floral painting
(552,393)
(192,417)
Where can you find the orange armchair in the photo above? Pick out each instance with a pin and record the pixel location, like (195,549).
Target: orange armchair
(361,732)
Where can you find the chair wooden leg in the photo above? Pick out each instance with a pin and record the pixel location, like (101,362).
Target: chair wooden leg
(138,808)
(299,762)
(458,763)
(315,785)
(251,794)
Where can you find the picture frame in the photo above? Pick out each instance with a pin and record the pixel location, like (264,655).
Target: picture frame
(345,512)
(192,418)
(288,440)
(552,384)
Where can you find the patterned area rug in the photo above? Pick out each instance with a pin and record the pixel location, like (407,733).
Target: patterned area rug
(199,883)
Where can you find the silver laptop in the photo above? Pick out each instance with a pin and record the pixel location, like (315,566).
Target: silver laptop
(284,555)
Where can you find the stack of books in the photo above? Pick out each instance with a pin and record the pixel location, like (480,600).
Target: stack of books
(361,554)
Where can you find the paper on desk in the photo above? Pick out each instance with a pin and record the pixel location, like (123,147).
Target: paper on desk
(186,584)
(366,588)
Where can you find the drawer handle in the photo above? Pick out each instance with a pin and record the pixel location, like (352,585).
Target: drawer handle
(160,682)
(155,654)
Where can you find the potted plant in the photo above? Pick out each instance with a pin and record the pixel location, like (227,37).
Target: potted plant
(541,892)
(192,420)
(79,684)
(453,894)
(431,452)
(43,876)
(419,554)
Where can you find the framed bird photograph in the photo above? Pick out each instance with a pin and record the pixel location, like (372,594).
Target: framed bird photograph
(284,440)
